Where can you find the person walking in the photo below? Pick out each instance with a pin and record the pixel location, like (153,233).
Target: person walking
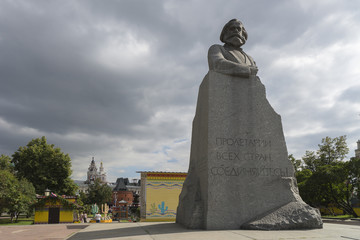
(81,217)
(97,217)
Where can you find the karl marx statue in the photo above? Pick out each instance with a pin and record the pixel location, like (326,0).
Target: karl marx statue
(239,174)
(230,59)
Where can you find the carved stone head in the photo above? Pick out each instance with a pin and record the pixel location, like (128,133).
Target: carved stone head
(234,33)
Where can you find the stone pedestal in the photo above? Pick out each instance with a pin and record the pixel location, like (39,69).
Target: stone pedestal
(239,174)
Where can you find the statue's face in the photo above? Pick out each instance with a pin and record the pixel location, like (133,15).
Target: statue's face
(235,34)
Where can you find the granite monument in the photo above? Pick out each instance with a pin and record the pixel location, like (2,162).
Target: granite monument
(239,174)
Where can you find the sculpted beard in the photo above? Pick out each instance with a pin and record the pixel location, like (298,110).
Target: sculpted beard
(236,40)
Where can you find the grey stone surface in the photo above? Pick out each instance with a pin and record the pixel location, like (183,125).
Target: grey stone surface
(294,215)
(239,174)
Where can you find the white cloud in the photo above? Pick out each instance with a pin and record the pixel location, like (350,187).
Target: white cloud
(119,82)
(124,52)
(15,129)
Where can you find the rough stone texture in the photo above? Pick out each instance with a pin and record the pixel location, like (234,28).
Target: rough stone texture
(239,174)
(294,215)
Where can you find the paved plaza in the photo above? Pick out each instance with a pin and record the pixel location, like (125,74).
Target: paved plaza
(39,232)
(166,231)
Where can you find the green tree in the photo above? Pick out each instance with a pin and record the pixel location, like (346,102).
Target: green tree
(310,160)
(98,193)
(83,198)
(84,202)
(22,200)
(333,185)
(325,177)
(332,150)
(8,188)
(44,166)
(296,163)
(5,163)
(354,175)
(305,187)
(15,196)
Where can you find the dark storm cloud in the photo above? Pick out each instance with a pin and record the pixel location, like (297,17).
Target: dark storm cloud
(48,72)
(53,85)
(119,79)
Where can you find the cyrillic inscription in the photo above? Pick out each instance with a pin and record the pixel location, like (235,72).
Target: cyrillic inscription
(232,152)
(245,156)
(243,142)
(254,172)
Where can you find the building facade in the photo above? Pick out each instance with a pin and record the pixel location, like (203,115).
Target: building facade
(55,209)
(93,173)
(122,193)
(160,195)
(357,151)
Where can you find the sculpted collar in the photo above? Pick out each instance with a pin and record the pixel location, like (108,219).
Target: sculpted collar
(230,47)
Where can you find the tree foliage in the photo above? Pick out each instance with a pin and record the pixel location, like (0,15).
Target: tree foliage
(296,163)
(8,183)
(332,150)
(23,199)
(44,166)
(98,193)
(310,160)
(354,175)
(326,178)
(5,163)
(16,196)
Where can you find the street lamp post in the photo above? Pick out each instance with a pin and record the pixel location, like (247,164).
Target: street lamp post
(115,198)
(47,192)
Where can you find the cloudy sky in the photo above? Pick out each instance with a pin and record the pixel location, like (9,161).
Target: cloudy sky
(118,80)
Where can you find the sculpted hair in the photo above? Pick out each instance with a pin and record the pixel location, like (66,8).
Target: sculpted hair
(225,28)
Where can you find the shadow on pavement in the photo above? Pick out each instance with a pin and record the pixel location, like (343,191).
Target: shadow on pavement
(347,222)
(136,230)
(76,226)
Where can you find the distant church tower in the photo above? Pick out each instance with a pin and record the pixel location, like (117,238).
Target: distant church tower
(102,173)
(357,151)
(93,173)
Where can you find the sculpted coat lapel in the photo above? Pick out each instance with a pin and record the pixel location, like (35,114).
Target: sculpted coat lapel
(229,61)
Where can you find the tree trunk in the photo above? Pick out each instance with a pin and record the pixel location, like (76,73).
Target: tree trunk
(347,208)
(17,216)
(351,211)
(330,210)
(342,204)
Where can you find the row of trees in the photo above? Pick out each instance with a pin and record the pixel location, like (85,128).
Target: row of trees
(326,178)
(36,167)
(16,194)
(31,170)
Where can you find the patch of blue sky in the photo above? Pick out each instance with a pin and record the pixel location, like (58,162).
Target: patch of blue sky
(181,140)
(173,160)
(164,150)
